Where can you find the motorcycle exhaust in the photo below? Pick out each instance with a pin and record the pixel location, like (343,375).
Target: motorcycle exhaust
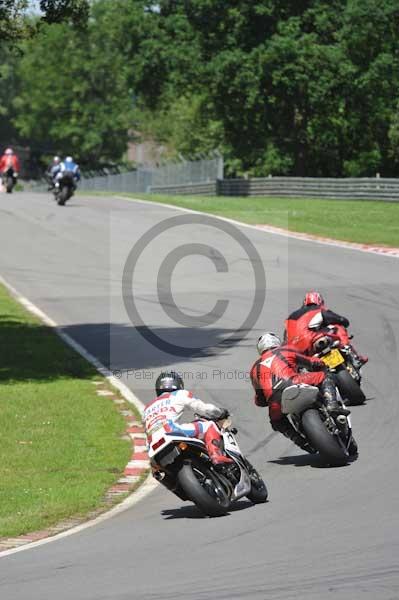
(341,420)
(342,423)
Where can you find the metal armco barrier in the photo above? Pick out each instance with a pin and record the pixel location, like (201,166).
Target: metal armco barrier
(367,188)
(196,189)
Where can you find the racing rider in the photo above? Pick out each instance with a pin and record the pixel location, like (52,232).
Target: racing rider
(9,160)
(52,171)
(69,166)
(166,409)
(279,367)
(298,333)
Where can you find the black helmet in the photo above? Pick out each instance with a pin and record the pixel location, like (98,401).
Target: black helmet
(168,381)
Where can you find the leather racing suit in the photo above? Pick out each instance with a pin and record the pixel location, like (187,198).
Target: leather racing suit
(277,369)
(298,333)
(165,411)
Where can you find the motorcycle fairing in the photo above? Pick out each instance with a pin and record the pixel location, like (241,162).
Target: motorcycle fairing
(296,399)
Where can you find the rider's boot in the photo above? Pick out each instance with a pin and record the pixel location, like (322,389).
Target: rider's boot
(329,392)
(358,360)
(353,449)
(213,443)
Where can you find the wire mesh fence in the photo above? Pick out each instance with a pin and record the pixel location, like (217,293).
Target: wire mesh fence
(142,180)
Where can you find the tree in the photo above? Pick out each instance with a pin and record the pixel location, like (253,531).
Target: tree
(369,37)
(58,11)
(8,90)
(296,87)
(15,26)
(79,106)
(12,25)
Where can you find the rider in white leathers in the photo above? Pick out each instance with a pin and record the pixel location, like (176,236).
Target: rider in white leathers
(165,410)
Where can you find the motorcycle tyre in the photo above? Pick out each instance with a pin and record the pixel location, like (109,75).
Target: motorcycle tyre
(322,440)
(63,196)
(258,493)
(194,490)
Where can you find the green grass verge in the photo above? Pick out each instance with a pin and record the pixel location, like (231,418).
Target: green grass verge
(368,222)
(60,443)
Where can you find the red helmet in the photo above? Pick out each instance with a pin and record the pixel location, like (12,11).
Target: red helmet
(313,298)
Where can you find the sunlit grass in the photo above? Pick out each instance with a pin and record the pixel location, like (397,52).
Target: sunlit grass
(60,443)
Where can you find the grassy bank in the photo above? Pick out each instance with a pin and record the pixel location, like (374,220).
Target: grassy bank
(369,222)
(60,443)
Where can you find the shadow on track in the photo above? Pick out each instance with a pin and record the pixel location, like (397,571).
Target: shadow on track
(192,512)
(118,347)
(301,460)
(123,347)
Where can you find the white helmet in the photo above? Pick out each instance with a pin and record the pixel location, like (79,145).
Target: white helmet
(9,151)
(69,159)
(268,340)
(56,159)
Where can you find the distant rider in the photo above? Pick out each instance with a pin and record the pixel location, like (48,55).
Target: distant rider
(9,160)
(52,171)
(167,408)
(298,333)
(69,166)
(279,367)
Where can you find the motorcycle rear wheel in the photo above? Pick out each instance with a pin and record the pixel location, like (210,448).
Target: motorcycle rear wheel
(322,440)
(349,389)
(9,184)
(203,487)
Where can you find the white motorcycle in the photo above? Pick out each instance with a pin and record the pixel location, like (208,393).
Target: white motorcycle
(183,465)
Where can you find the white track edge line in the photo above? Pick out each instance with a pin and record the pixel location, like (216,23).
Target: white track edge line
(145,488)
(269,229)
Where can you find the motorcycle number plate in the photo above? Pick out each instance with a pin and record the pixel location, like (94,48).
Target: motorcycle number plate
(333,359)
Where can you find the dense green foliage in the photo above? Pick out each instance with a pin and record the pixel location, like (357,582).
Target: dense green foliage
(304,87)
(14,25)
(74,95)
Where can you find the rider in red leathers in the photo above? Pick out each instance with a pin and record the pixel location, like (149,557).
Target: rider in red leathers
(166,409)
(9,160)
(299,334)
(278,368)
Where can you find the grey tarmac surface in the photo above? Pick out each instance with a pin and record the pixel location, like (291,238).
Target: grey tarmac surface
(325,533)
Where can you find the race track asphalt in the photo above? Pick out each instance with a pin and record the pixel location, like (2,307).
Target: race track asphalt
(325,533)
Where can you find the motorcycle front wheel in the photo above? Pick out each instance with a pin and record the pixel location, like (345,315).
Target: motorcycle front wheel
(322,440)
(258,491)
(9,184)
(203,487)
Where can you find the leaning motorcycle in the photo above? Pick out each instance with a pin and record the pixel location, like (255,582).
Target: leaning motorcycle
(64,188)
(9,179)
(330,435)
(339,359)
(183,465)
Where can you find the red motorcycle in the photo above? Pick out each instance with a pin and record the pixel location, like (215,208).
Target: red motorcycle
(327,344)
